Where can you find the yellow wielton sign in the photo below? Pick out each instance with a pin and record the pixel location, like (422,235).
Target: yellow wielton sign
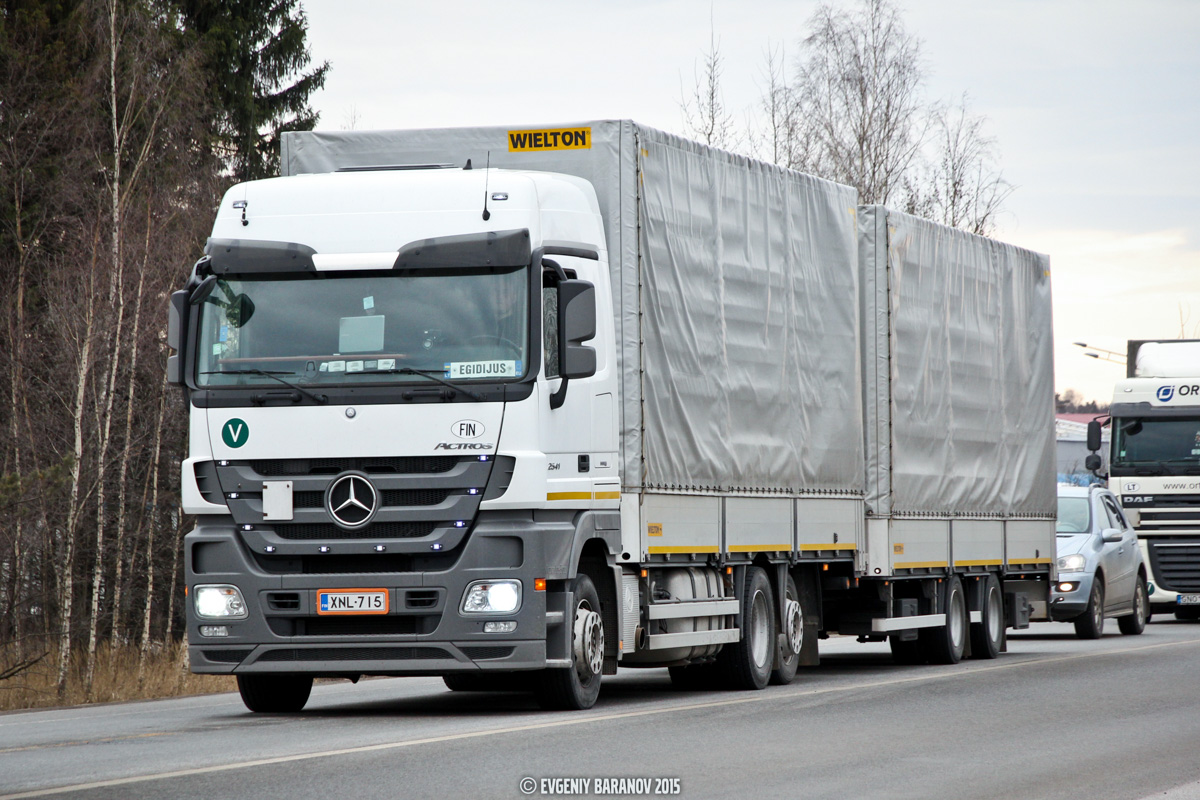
(554,139)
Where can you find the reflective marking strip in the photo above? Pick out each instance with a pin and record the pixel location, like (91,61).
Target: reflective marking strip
(608,495)
(809,548)
(1029,561)
(985,562)
(568,495)
(683,549)
(758,548)
(920,564)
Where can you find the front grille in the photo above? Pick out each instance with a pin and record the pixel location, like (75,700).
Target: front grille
(354,654)
(305,531)
(359,626)
(401,465)
(482,653)
(391,498)
(1176,564)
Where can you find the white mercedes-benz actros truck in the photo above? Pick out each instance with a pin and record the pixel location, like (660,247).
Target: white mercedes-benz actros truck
(619,400)
(1154,466)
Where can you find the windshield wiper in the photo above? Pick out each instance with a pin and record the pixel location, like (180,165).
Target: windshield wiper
(319,399)
(432,374)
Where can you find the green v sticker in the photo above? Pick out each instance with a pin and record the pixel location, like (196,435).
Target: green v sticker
(235,433)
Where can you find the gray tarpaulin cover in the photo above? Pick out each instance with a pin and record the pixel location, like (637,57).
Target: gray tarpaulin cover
(738,345)
(965,336)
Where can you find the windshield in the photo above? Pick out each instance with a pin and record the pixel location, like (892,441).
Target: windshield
(1074,515)
(1172,440)
(355,328)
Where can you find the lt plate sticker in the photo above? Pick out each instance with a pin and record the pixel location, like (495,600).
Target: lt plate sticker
(482,369)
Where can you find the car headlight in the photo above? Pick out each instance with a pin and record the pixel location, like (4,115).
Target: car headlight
(220,601)
(1072,563)
(492,597)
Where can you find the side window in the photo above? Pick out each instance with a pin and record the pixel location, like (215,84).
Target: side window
(1114,513)
(550,329)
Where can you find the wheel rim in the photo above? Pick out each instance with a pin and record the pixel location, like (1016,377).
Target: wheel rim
(588,642)
(760,630)
(993,614)
(1139,598)
(1097,607)
(795,626)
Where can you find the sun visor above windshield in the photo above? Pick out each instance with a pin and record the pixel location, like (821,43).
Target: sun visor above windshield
(490,249)
(237,256)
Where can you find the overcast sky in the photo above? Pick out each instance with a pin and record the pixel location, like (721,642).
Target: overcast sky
(1095,105)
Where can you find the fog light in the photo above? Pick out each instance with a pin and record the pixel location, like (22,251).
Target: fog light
(492,597)
(214,630)
(499,627)
(1068,587)
(221,600)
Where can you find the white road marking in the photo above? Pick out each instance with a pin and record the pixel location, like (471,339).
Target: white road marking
(758,697)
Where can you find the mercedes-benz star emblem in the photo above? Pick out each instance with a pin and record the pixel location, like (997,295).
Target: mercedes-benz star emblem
(351,501)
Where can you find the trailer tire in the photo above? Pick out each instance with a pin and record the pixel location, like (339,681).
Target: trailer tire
(274,694)
(1090,624)
(1133,624)
(576,688)
(946,643)
(746,664)
(787,656)
(987,635)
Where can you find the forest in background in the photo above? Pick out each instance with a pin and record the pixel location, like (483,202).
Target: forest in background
(121,124)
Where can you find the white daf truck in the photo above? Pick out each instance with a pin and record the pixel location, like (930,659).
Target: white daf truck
(619,400)
(1154,466)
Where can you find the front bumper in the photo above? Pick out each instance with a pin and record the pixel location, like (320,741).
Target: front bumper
(423,633)
(1066,606)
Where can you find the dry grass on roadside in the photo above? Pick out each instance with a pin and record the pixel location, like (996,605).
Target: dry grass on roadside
(116,679)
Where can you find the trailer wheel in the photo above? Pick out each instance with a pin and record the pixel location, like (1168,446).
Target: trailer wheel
(1090,624)
(945,644)
(746,664)
(1135,623)
(790,638)
(577,687)
(988,634)
(274,694)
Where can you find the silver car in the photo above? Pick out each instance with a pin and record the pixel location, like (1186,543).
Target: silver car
(1100,571)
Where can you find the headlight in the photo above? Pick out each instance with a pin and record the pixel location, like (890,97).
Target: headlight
(213,602)
(1072,563)
(492,597)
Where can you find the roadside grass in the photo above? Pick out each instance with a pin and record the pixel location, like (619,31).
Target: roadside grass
(116,678)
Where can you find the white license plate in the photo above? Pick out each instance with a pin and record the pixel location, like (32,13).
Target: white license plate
(352,601)
(1189,600)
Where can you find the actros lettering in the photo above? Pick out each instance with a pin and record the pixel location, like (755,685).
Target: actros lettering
(463,446)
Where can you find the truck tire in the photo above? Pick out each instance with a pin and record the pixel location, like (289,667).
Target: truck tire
(791,631)
(1135,623)
(274,694)
(746,664)
(945,644)
(576,688)
(987,635)
(1090,624)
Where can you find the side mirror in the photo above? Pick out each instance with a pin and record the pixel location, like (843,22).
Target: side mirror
(576,324)
(1093,437)
(1092,463)
(176,328)
(1112,534)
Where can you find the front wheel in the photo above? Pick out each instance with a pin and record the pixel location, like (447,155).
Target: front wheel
(1090,624)
(1135,623)
(274,694)
(577,687)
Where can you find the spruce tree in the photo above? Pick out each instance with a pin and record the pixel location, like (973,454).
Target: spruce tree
(259,77)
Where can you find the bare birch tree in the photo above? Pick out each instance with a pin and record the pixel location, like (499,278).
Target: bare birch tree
(705,116)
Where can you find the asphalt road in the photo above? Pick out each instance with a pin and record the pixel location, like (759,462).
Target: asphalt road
(1055,717)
